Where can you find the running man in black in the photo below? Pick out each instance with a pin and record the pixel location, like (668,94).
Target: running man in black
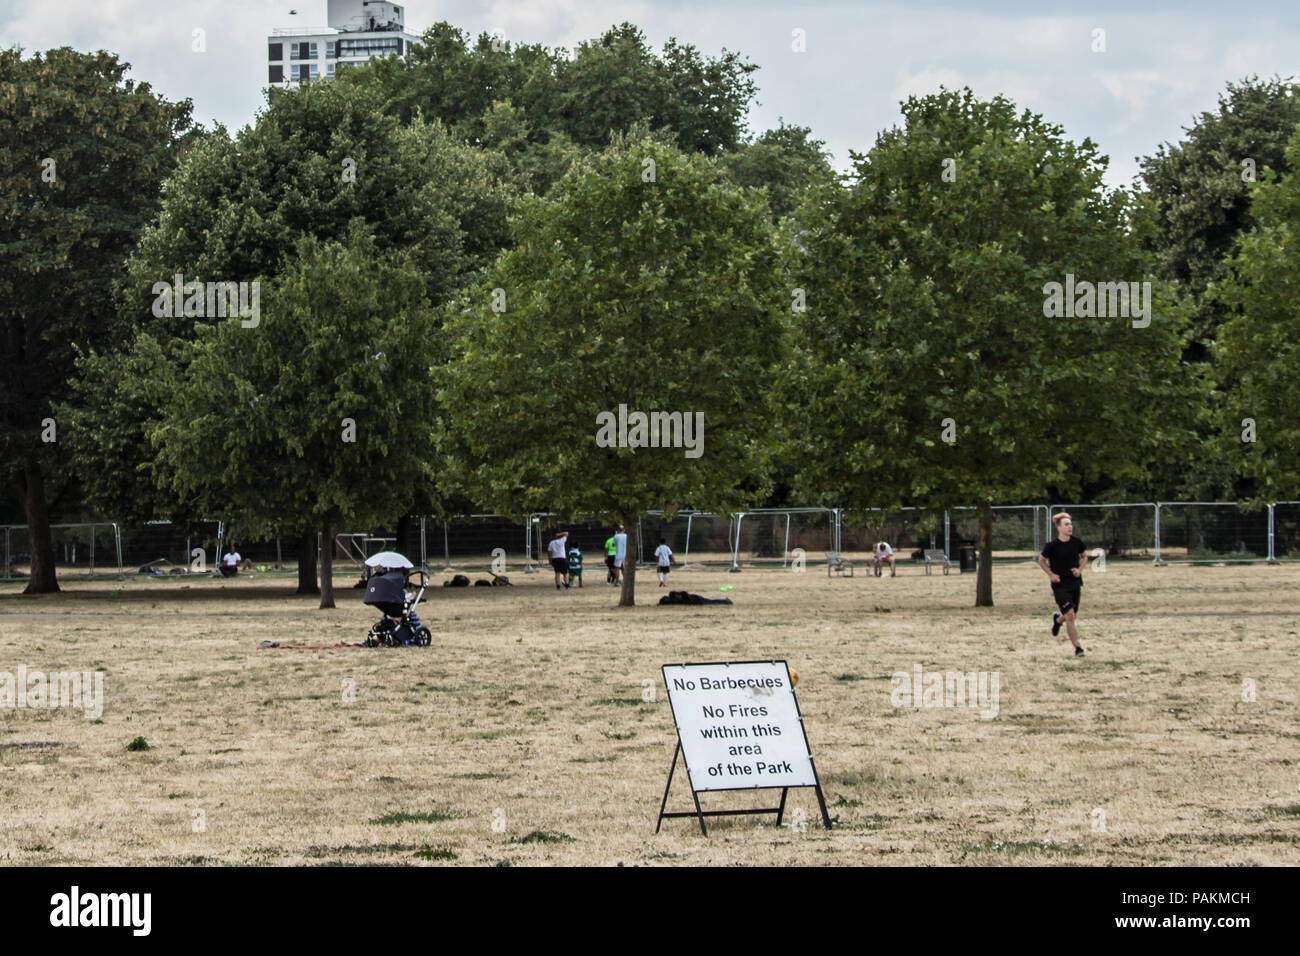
(1061,561)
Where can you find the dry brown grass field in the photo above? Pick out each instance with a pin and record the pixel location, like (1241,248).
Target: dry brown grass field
(527,712)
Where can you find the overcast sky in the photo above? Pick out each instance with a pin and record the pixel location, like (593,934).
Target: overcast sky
(1163,63)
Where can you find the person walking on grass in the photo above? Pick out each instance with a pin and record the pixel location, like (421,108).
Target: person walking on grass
(558,549)
(620,553)
(664,555)
(1063,559)
(609,559)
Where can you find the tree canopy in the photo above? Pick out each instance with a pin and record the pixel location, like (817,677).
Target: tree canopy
(1257,349)
(785,162)
(647,284)
(554,101)
(83,153)
(317,160)
(938,364)
(1200,187)
(318,417)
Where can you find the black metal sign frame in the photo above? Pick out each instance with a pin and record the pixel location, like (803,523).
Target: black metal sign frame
(699,813)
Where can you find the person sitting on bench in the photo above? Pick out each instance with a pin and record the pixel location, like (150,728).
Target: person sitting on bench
(230,564)
(884,555)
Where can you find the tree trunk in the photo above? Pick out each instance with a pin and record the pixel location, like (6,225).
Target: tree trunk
(403,545)
(307,564)
(39,542)
(984,568)
(327,569)
(627,595)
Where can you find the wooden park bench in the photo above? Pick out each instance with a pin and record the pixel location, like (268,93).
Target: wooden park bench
(838,564)
(936,556)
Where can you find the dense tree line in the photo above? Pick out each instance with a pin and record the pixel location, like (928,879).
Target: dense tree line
(464,258)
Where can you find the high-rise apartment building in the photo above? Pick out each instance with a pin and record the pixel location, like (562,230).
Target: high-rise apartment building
(357,31)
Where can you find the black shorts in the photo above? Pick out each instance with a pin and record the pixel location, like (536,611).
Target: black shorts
(1067,595)
(665,568)
(609,561)
(561,565)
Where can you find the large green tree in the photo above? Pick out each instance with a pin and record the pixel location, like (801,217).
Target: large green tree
(319,416)
(83,153)
(1201,209)
(648,284)
(929,370)
(316,160)
(1200,191)
(556,101)
(1258,349)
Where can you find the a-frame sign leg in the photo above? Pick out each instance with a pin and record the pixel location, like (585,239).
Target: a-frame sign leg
(780,810)
(663,806)
(699,811)
(821,802)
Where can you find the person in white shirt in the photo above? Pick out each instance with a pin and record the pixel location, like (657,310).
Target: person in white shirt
(885,555)
(230,564)
(559,552)
(665,558)
(620,552)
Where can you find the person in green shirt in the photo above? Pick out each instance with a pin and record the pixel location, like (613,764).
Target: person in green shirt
(610,577)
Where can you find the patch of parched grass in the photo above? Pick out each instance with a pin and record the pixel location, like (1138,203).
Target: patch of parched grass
(138,744)
(1232,839)
(622,701)
(399,817)
(1293,810)
(849,677)
(1023,847)
(850,778)
(544,836)
(368,849)
(481,776)
(435,853)
(875,821)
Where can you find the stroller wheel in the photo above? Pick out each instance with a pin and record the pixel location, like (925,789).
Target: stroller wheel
(426,637)
(380,634)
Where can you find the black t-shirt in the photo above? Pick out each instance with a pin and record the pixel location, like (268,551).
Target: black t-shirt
(1063,557)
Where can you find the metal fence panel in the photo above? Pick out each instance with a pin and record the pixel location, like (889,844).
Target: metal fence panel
(1018,531)
(1216,531)
(1124,531)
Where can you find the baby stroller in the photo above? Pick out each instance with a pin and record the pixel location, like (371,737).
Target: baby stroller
(400,625)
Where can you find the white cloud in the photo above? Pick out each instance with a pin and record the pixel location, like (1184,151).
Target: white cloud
(1136,89)
(1014,86)
(1242,59)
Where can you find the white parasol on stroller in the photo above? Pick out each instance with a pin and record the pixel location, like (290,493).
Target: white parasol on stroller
(389,559)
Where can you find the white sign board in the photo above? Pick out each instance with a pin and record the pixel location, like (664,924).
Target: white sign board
(739,725)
